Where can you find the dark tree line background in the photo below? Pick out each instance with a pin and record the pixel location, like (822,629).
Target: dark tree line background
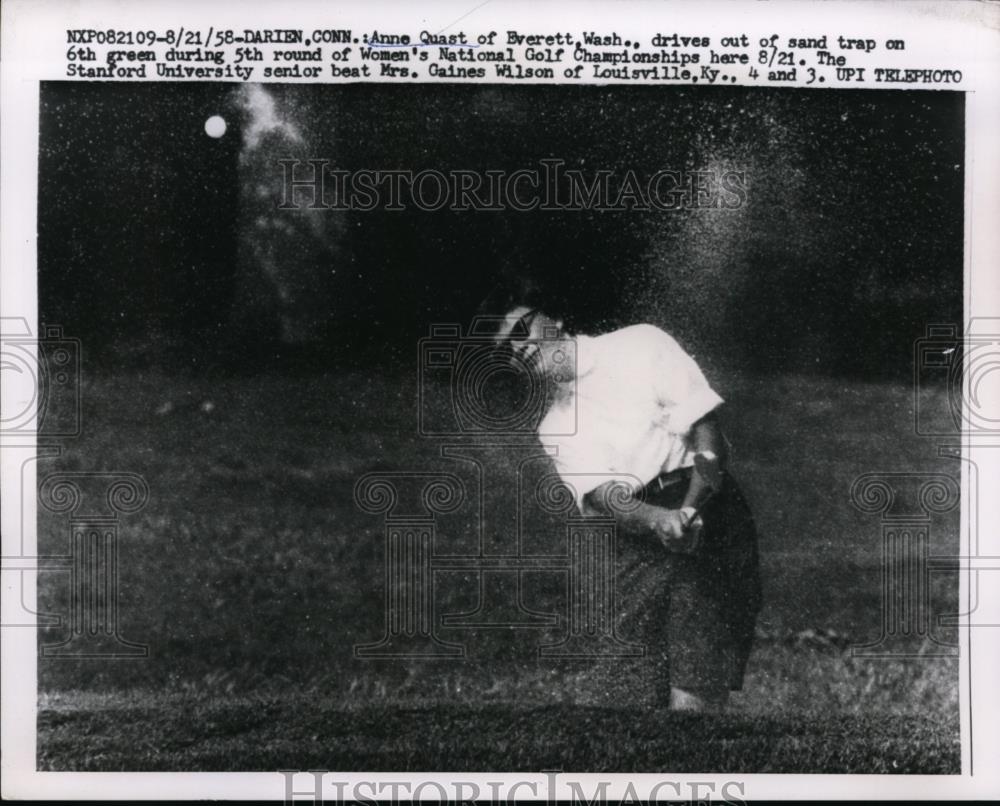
(161,246)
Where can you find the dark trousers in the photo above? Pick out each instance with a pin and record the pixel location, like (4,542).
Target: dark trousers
(695,614)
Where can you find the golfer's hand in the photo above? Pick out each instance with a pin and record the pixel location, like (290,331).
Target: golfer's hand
(675,532)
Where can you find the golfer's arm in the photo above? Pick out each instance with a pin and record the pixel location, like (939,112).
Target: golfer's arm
(635,520)
(705,436)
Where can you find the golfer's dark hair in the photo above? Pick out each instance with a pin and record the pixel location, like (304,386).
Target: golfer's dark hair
(503,299)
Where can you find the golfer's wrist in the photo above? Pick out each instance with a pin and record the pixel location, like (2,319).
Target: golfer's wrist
(687,514)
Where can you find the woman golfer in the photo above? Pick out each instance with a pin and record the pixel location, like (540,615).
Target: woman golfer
(640,413)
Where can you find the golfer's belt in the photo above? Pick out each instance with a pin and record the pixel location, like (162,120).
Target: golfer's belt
(664,480)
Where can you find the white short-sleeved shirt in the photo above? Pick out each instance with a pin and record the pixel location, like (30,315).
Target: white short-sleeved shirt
(636,396)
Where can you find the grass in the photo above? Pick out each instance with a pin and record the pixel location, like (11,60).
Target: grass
(251,574)
(165,733)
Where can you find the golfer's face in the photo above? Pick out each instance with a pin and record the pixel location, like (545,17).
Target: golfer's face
(526,346)
(539,345)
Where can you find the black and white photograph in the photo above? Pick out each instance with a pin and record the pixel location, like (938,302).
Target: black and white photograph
(527,428)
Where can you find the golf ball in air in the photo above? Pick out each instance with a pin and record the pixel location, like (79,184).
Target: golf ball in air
(215,126)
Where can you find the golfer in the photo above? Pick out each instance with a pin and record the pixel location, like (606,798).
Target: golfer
(640,413)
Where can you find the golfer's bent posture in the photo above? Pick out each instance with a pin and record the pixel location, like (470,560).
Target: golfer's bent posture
(639,412)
